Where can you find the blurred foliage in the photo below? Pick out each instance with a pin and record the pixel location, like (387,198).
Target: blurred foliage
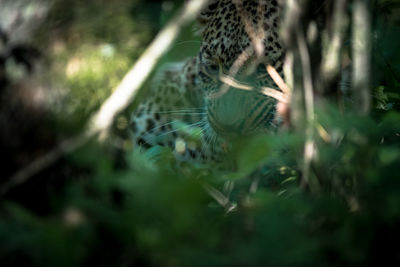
(91,45)
(153,211)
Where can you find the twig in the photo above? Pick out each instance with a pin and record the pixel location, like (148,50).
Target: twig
(237,64)
(268,91)
(100,123)
(278,80)
(256,36)
(219,197)
(42,163)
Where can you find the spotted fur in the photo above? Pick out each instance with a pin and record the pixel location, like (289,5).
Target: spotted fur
(186,97)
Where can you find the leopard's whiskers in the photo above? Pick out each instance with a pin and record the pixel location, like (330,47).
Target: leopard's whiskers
(181,128)
(157,127)
(187,42)
(188,111)
(206,138)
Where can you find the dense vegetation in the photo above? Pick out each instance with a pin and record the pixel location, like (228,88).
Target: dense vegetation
(112,204)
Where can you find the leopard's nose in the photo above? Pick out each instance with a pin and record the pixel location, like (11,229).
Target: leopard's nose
(224,127)
(227,114)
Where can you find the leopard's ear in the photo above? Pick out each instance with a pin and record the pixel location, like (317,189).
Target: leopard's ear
(206,14)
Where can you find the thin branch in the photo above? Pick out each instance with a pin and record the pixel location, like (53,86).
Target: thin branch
(44,162)
(307,76)
(123,95)
(268,91)
(278,80)
(291,19)
(309,106)
(361,55)
(129,87)
(331,59)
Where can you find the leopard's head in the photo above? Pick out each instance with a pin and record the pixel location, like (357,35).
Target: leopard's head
(240,38)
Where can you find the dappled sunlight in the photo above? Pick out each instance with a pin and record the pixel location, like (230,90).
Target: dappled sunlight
(73,67)
(90,74)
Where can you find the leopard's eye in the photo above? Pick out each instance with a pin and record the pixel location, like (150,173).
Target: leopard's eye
(211,69)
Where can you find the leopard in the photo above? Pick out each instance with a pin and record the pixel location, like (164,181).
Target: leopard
(198,106)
